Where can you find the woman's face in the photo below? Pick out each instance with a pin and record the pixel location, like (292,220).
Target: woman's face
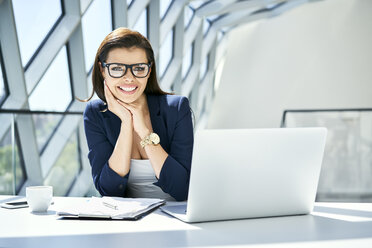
(127,88)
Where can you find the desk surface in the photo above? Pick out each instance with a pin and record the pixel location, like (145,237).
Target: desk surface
(329,225)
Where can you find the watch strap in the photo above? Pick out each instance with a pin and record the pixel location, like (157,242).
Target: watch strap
(148,140)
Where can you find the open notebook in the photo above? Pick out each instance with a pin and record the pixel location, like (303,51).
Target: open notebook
(111,208)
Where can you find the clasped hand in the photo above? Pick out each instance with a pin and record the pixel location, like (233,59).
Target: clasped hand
(131,114)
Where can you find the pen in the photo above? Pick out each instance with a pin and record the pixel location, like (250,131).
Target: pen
(106,204)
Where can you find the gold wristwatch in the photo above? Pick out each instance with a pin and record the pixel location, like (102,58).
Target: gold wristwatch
(151,139)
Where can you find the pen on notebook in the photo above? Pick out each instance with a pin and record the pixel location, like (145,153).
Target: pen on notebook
(109,205)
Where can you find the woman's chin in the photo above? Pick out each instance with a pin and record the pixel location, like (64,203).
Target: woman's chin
(128,100)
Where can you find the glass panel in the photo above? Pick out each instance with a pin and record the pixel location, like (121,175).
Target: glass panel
(346,173)
(204,68)
(164,6)
(3,91)
(212,18)
(66,168)
(129,3)
(196,4)
(96,24)
(53,92)
(188,15)
(187,60)
(166,53)
(220,36)
(206,26)
(34,19)
(84,4)
(44,126)
(6,169)
(141,24)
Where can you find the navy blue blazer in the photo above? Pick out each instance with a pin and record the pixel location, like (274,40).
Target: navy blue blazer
(171,120)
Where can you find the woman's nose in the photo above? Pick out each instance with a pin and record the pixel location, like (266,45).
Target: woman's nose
(128,74)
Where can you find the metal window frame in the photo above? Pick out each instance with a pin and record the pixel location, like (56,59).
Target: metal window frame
(18,185)
(80,168)
(3,72)
(38,49)
(67,31)
(285,112)
(21,159)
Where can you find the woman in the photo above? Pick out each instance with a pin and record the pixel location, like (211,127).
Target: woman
(140,138)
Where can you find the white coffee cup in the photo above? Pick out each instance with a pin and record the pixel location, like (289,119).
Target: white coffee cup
(39,198)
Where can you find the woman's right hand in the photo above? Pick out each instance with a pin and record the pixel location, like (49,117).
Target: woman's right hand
(115,106)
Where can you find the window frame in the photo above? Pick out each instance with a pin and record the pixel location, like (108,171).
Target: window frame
(73,97)
(173,30)
(79,160)
(18,185)
(192,60)
(166,11)
(21,159)
(43,42)
(6,87)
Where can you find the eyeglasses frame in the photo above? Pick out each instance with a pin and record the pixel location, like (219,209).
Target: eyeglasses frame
(126,68)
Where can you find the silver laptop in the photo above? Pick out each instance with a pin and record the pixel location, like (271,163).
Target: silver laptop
(250,173)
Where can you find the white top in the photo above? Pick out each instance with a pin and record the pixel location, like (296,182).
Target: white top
(141,179)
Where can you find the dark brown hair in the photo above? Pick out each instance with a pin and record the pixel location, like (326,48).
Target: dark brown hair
(124,38)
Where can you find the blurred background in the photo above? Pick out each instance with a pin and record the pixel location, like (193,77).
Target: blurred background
(243,64)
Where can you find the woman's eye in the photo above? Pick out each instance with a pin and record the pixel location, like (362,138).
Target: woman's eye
(116,68)
(139,68)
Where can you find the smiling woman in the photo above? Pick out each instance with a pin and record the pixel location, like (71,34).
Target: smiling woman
(126,86)
(140,138)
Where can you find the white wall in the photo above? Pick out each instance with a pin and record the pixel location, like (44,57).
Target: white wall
(318,55)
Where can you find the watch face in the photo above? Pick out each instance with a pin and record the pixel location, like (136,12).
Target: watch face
(155,138)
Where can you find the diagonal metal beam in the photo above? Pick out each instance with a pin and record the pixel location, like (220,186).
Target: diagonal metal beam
(214,7)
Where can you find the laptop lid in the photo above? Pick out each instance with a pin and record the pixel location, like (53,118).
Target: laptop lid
(248,173)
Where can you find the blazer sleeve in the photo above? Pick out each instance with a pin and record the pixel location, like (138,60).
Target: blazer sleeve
(175,174)
(106,181)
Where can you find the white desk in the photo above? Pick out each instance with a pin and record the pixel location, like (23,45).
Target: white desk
(330,225)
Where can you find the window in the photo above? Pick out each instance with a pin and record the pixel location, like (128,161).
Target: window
(166,53)
(141,24)
(220,35)
(34,20)
(164,6)
(129,3)
(188,15)
(90,85)
(213,18)
(206,26)
(6,165)
(66,169)
(3,86)
(347,164)
(196,4)
(187,61)
(53,92)
(204,68)
(96,25)
(44,127)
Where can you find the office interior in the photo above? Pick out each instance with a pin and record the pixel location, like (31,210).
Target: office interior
(242,64)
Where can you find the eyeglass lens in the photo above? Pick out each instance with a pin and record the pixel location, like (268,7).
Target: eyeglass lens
(138,70)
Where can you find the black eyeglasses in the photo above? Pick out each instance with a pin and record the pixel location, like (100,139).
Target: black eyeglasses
(117,70)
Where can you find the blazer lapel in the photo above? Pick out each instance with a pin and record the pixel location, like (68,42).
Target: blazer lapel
(157,121)
(112,126)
